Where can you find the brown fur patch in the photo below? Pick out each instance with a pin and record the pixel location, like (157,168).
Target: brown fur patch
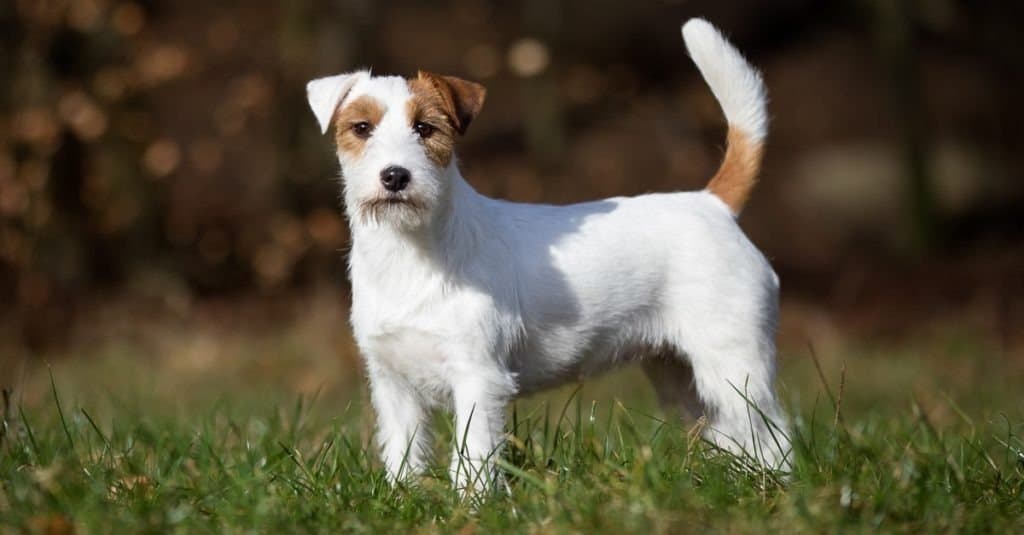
(448,104)
(738,173)
(462,100)
(364,108)
(428,106)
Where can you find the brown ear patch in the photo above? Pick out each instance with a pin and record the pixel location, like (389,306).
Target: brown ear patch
(363,109)
(428,106)
(462,100)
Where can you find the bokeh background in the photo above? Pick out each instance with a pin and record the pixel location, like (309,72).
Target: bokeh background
(168,206)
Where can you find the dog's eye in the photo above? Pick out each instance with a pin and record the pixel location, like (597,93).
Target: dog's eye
(362,129)
(423,129)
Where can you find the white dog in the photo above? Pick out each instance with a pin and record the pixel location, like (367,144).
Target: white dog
(460,298)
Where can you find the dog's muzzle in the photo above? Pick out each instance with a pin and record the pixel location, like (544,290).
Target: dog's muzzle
(395,178)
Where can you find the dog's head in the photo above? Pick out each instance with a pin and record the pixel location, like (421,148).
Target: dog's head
(395,139)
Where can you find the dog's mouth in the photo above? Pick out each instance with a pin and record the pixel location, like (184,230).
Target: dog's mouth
(389,206)
(390,199)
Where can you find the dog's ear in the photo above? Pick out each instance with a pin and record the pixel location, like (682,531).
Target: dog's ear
(462,99)
(325,94)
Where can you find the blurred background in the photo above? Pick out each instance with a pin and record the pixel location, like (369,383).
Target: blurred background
(167,202)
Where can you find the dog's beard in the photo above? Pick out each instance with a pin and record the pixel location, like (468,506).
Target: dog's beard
(397,210)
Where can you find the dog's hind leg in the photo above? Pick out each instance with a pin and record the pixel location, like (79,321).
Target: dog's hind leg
(734,375)
(672,379)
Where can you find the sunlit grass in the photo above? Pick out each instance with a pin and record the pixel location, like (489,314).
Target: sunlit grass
(906,438)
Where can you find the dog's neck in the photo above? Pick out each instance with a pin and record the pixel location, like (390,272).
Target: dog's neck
(452,234)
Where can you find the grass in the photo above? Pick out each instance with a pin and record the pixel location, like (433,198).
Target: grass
(114,443)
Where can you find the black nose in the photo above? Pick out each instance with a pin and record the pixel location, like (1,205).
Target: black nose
(395,178)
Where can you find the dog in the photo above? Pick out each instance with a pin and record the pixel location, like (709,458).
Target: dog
(467,301)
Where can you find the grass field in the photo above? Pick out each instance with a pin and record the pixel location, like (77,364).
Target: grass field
(913,436)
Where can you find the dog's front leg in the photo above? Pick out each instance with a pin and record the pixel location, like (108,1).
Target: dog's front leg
(479,397)
(401,417)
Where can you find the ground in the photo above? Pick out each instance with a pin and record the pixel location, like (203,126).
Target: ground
(231,428)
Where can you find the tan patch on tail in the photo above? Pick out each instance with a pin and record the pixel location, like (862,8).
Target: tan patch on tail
(363,109)
(737,175)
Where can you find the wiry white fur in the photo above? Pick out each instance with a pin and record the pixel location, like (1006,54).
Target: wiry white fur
(471,301)
(737,86)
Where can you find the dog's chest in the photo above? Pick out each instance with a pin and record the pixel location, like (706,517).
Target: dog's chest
(403,326)
(414,354)
(405,322)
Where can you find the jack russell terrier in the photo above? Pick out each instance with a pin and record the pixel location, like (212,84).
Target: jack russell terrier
(469,301)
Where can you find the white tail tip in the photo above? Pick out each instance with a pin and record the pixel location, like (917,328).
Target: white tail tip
(736,85)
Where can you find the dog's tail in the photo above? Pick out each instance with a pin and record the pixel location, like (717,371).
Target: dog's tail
(740,92)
